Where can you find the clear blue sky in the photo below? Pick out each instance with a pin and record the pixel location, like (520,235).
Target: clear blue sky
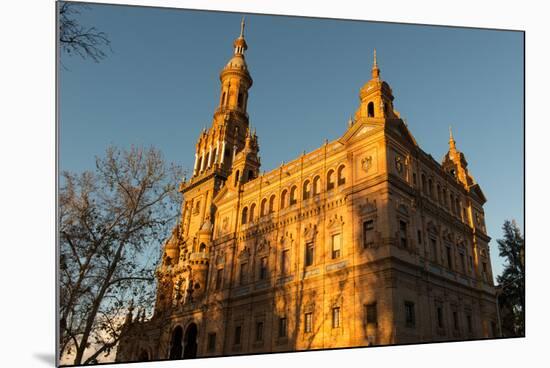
(160,87)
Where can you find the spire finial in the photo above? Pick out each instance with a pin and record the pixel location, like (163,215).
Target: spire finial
(375,69)
(451,138)
(242,27)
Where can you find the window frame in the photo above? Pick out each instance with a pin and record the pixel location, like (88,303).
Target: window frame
(336,253)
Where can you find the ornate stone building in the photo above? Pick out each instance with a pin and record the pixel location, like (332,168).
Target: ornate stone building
(365,241)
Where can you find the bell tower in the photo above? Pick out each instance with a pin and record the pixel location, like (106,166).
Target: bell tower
(376,98)
(183,274)
(217,146)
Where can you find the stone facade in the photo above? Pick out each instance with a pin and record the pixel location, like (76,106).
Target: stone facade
(365,241)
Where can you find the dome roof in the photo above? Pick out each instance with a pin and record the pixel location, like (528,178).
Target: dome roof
(236,62)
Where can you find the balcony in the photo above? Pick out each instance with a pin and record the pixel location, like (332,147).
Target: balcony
(197,256)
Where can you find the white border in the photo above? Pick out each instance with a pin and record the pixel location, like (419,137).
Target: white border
(27,151)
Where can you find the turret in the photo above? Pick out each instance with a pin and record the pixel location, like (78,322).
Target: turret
(455,163)
(246,165)
(376,98)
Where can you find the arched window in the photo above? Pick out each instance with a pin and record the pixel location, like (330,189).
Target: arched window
(244,217)
(252,211)
(317,185)
(370,109)
(237,177)
(272,203)
(293,195)
(307,190)
(202,247)
(250,175)
(445,198)
(206,159)
(430,188)
(330,180)
(263,207)
(283,198)
(341,175)
(223,98)
(438,193)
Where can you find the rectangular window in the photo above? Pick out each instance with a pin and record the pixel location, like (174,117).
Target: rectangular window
(419,237)
(469,322)
(462,263)
(371,313)
(309,253)
(471,262)
(243,273)
(433,243)
(308,322)
(282,327)
(336,246)
(493,329)
(219,278)
(440,317)
(259,331)
(368,233)
(410,319)
(336,317)
(414,179)
(285,262)
(237,337)
(449,258)
(403,233)
(455,320)
(212,341)
(263,268)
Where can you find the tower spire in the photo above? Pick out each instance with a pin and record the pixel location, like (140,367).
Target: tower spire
(242,28)
(375,69)
(239,43)
(452,143)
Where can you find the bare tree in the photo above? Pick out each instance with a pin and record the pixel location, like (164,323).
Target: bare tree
(111,224)
(74,38)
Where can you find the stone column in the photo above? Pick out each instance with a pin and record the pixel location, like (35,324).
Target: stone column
(196,162)
(223,152)
(202,161)
(209,156)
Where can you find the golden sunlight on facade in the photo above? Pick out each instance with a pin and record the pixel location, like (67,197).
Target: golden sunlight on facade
(365,241)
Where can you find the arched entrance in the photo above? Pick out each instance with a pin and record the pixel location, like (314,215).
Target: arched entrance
(190,341)
(143,356)
(176,346)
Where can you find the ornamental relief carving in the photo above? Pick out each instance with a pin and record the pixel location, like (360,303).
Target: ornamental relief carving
(367,207)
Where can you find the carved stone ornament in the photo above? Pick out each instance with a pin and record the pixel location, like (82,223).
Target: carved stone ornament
(263,246)
(225,224)
(366,163)
(399,164)
(335,221)
(244,253)
(367,207)
(310,231)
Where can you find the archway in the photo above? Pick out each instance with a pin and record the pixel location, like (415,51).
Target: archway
(176,347)
(190,341)
(143,356)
